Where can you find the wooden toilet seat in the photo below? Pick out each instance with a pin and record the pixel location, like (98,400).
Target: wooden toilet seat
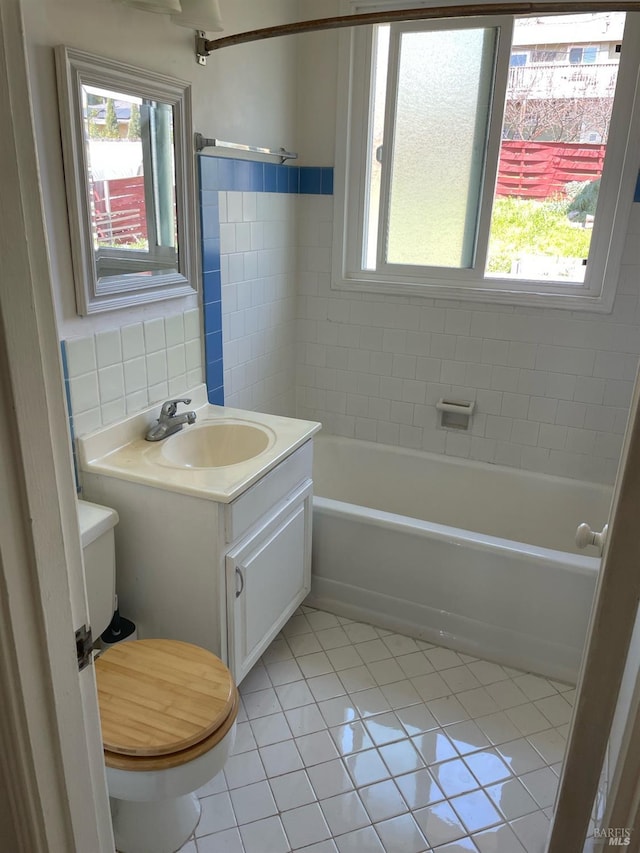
(162,703)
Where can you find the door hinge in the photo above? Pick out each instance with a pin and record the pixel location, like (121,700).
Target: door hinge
(84,647)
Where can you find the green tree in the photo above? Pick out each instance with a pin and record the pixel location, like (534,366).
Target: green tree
(111,120)
(584,202)
(134,122)
(96,131)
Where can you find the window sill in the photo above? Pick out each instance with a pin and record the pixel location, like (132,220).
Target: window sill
(574,298)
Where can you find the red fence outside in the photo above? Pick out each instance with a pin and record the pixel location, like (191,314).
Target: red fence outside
(541,170)
(119,208)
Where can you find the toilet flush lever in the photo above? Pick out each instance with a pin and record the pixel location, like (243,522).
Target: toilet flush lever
(586,536)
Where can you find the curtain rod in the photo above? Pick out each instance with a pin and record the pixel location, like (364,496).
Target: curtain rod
(204,46)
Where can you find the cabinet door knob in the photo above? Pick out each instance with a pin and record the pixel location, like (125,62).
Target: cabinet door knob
(239,575)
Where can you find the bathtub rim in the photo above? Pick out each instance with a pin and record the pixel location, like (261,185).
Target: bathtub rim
(576,563)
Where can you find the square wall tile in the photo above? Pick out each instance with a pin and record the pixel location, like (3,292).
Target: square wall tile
(192,324)
(111,383)
(114,411)
(84,393)
(154,335)
(156,368)
(132,337)
(108,348)
(310,179)
(135,375)
(176,363)
(208,168)
(81,356)
(193,355)
(174,330)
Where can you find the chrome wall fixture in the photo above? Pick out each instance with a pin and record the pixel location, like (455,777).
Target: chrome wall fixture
(201,142)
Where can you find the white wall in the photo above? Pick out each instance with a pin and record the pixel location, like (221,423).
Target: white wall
(317,81)
(245,94)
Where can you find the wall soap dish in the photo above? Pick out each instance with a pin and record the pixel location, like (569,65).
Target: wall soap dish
(455,414)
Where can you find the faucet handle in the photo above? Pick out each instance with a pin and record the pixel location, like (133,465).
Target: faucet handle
(170,407)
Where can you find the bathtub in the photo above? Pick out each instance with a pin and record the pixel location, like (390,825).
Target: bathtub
(477,557)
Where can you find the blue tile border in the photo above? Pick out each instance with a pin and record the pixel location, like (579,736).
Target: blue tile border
(310,181)
(211,280)
(227,175)
(223,174)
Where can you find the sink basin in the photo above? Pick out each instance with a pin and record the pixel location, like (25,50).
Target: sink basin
(216,445)
(218,458)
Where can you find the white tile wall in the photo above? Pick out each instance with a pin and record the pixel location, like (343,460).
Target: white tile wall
(119,372)
(258,238)
(552,387)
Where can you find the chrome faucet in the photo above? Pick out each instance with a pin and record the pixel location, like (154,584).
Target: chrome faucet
(169,422)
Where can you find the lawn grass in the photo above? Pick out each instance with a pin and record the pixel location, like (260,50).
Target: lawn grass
(527,227)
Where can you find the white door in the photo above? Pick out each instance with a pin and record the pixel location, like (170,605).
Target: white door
(51,730)
(610,629)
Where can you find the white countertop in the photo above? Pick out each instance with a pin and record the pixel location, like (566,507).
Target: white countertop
(121,451)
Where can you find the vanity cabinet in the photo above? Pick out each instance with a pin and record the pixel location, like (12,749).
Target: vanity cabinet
(225,576)
(268,574)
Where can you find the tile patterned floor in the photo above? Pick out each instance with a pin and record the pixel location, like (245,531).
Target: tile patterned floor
(353,739)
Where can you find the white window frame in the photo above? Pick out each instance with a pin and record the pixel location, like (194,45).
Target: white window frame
(616,194)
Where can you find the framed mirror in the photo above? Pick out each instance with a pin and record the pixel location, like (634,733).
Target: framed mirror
(127,148)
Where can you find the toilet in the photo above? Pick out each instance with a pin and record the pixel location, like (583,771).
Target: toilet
(168,712)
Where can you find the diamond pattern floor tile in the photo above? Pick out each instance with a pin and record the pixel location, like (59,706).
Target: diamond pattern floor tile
(352,737)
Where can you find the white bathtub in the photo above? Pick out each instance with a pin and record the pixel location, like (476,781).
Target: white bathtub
(477,557)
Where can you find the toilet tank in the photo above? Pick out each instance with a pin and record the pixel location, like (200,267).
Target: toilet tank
(98,549)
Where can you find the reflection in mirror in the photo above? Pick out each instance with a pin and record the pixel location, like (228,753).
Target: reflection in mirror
(129,182)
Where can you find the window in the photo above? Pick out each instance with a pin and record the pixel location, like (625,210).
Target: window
(583,54)
(548,56)
(474,174)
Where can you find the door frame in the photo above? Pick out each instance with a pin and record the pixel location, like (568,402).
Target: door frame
(48,733)
(623,803)
(52,773)
(608,638)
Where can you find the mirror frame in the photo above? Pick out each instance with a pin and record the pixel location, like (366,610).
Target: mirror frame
(75,68)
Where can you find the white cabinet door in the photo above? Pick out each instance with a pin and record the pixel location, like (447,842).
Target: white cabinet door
(268,576)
